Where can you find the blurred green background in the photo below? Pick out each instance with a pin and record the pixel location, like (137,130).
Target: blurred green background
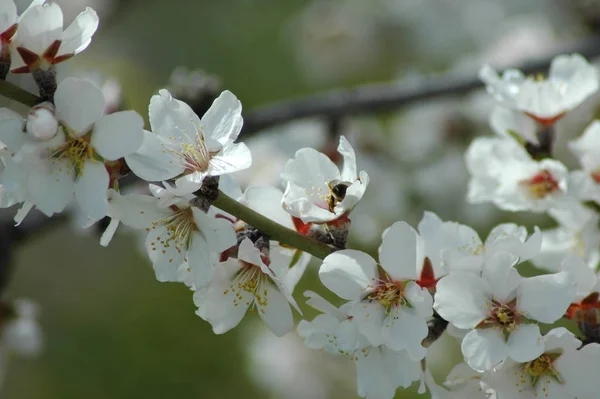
(110,329)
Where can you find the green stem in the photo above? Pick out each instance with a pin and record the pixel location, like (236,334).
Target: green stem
(17,94)
(272,229)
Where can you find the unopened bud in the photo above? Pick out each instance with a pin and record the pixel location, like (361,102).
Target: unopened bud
(41,122)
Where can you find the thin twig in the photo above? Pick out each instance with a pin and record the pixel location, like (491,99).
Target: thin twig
(390,95)
(270,228)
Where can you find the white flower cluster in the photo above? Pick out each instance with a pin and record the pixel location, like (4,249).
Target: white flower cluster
(67,150)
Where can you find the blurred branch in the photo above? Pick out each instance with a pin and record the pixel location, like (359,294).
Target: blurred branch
(387,96)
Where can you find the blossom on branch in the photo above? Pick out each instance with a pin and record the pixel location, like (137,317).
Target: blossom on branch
(41,41)
(317,191)
(570,81)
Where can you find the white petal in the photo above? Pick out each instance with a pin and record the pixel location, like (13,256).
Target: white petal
(402,329)
(223,120)
(218,233)
(79,103)
(232,158)
(296,203)
(277,312)
(39,27)
(500,273)
(171,118)
(153,161)
(349,172)
(546,298)
(461,298)
(420,300)
(484,348)
(137,211)
(198,258)
(580,371)
(91,190)
(165,256)
(52,187)
(118,135)
(369,317)
(402,249)
(322,305)
(79,34)
(310,169)
(267,201)
(525,343)
(348,273)
(8,14)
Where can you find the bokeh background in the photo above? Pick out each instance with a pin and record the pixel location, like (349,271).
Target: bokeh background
(112,331)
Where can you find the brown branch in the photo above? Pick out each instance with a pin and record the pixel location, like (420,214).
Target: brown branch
(387,96)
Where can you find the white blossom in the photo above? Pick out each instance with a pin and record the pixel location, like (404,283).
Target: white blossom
(72,163)
(176,233)
(250,281)
(501,309)
(560,371)
(316,190)
(41,41)
(185,147)
(577,233)
(585,184)
(507,122)
(503,173)
(389,307)
(570,81)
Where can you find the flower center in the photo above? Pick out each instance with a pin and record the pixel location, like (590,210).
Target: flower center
(193,154)
(388,293)
(502,315)
(251,279)
(179,227)
(541,185)
(540,370)
(77,150)
(596,176)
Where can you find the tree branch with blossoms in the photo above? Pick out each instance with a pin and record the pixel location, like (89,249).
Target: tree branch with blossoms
(247,250)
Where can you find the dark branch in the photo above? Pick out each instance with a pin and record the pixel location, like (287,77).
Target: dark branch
(387,96)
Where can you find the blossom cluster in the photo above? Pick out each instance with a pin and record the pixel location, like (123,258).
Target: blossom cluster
(202,230)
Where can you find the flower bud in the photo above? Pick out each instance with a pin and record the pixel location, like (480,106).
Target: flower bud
(41,122)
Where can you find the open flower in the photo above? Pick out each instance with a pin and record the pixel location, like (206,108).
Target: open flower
(176,233)
(560,371)
(570,81)
(316,190)
(577,233)
(41,41)
(389,307)
(9,22)
(501,309)
(183,146)
(72,161)
(585,184)
(250,281)
(380,370)
(503,173)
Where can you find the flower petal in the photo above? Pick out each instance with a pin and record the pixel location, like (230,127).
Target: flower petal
(403,329)
(79,104)
(91,190)
(401,252)
(79,34)
(232,158)
(484,349)
(277,312)
(348,273)
(118,135)
(165,256)
(461,298)
(223,120)
(153,161)
(172,119)
(349,172)
(546,298)
(525,343)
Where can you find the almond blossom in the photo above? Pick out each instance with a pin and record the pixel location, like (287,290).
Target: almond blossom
(501,308)
(250,281)
(71,162)
(585,184)
(563,370)
(380,371)
(41,40)
(187,148)
(9,22)
(389,307)
(176,233)
(503,173)
(570,81)
(317,191)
